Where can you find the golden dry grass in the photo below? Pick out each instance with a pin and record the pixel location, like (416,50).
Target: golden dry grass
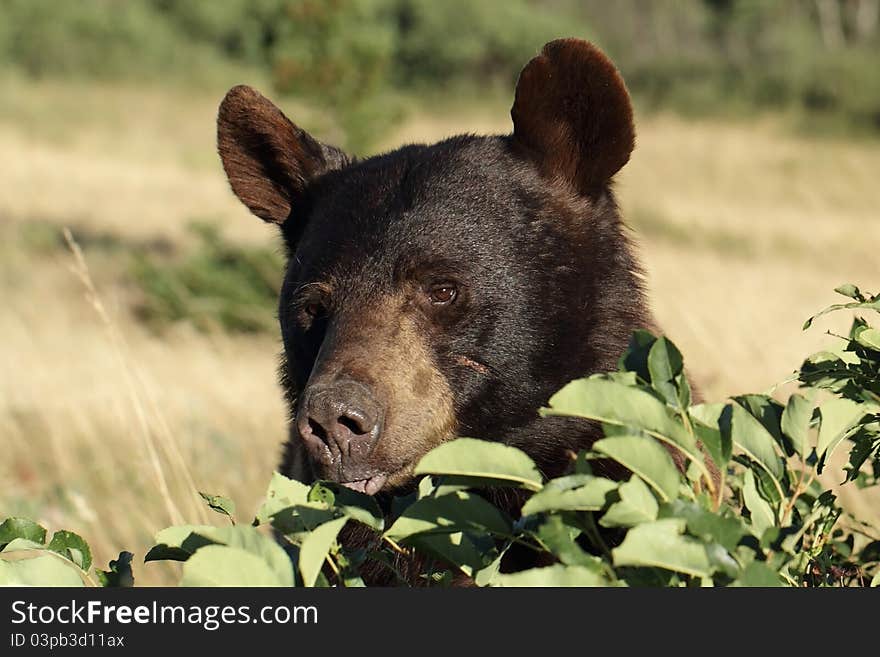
(744,231)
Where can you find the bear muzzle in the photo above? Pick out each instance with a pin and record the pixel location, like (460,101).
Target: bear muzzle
(340,423)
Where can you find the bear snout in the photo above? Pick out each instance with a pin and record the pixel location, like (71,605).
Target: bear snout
(340,423)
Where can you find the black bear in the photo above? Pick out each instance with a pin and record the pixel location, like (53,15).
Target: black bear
(446,290)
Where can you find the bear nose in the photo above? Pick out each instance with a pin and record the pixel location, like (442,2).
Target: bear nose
(339,423)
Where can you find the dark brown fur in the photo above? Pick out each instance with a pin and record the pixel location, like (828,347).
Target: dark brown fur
(525,229)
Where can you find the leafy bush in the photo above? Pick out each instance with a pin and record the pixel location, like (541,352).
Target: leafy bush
(216,285)
(355,57)
(99,39)
(762,519)
(208,281)
(442,43)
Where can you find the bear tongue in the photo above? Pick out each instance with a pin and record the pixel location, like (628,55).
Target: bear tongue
(369,486)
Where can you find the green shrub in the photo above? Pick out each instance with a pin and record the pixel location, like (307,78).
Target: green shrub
(354,58)
(443,43)
(96,39)
(216,284)
(208,281)
(763,520)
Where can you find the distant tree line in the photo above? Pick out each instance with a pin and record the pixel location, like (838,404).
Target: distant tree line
(818,58)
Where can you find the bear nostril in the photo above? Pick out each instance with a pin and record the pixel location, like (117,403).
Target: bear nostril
(353,424)
(318,431)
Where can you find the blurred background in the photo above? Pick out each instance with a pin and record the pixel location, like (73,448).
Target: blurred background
(143,368)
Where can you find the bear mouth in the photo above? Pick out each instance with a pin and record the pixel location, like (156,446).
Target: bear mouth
(370,485)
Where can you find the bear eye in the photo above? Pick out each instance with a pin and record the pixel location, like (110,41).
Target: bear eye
(441,295)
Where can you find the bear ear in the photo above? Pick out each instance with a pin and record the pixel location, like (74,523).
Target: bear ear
(572,114)
(268,160)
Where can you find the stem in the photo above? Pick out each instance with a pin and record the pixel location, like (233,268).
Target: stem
(716,504)
(395,546)
(333,565)
(772,478)
(686,420)
(776,386)
(519,541)
(595,536)
(798,491)
(702,466)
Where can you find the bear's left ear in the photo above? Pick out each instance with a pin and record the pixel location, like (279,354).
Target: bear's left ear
(572,115)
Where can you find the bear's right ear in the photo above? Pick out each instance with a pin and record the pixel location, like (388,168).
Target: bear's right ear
(268,160)
(572,115)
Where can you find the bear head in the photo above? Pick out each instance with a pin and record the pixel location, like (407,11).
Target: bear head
(446,290)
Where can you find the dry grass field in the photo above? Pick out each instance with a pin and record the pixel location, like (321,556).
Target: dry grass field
(108,428)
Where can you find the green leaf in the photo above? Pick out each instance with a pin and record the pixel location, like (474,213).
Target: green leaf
(120,573)
(322,493)
(13,528)
(635,359)
(624,378)
(560,539)
(316,547)
(458,549)
(282,493)
(579,492)
(351,503)
(869,337)
(837,417)
(796,423)
(684,391)
(753,439)
(768,489)
(487,574)
(664,360)
(645,457)
(362,508)
(851,291)
(220,504)
(451,483)
(43,570)
(720,560)
(249,539)
(660,544)
(169,543)
(17,544)
(454,512)
(757,574)
(221,565)
(426,488)
(768,412)
(468,457)
(873,304)
(829,370)
(665,365)
(616,404)
(556,575)
(637,505)
(718,445)
(73,547)
(705,420)
(708,526)
(762,514)
(707,414)
(294,522)
(181,543)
